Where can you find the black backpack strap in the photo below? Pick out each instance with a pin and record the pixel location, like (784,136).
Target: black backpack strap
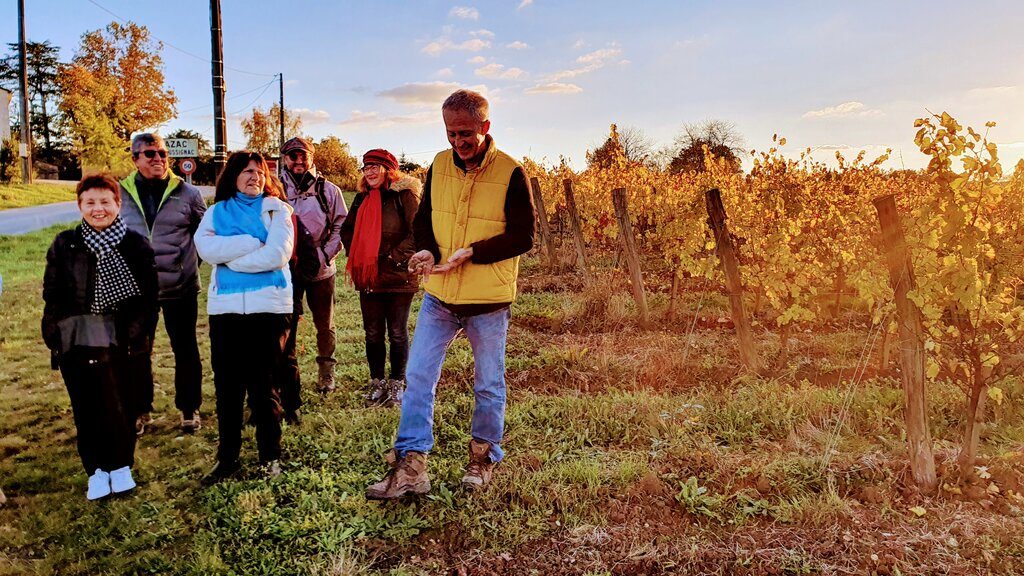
(321,199)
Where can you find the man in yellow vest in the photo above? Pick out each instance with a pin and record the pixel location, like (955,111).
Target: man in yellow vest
(475,219)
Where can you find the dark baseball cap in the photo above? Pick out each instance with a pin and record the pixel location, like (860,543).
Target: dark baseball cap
(297,143)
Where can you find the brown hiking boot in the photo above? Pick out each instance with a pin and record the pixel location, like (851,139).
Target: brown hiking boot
(478,472)
(407,475)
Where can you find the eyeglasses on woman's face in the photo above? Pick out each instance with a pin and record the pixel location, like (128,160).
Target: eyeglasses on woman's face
(371,168)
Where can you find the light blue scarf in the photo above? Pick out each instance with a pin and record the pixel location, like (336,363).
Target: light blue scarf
(237,215)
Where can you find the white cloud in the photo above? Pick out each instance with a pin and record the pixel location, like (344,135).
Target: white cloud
(465,13)
(579,44)
(590,62)
(482,33)
(524,4)
(376,119)
(311,116)
(477,60)
(517,45)
(444,73)
(850,109)
(440,45)
(554,88)
(425,93)
(495,70)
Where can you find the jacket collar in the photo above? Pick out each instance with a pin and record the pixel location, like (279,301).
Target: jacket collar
(486,157)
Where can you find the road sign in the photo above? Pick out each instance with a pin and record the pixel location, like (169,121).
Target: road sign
(187,166)
(182,147)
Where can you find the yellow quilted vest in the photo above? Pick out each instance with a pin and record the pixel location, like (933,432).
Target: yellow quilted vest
(467,207)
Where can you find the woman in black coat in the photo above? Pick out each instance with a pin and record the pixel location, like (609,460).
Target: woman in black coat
(377,235)
(100,295)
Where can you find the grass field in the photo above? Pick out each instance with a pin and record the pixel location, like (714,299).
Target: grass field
(629,452)
(21,195)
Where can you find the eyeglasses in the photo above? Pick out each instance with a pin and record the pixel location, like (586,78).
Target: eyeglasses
(296,154)
(152,153)
(372,168)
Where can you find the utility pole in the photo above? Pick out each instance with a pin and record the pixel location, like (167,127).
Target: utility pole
(25,149)
(220,127)
(280,112)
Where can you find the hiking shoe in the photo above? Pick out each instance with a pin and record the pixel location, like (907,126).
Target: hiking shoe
(293,417)
(99,485)
(478,472)
(191,423)
(121,480)
(144,419)
(272,469)
(222,471)
(394,389)
(326,383)
(407,475)
(376,392)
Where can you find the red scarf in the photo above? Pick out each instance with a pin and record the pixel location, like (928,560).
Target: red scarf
(362,258)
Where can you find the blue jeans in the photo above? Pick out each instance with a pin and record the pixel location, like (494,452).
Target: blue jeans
(436,328)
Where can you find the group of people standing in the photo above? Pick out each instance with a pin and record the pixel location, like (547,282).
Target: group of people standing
(272,242)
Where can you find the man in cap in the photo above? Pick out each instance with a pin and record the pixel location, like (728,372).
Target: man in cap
(475,219)
(320,209)
(167,210)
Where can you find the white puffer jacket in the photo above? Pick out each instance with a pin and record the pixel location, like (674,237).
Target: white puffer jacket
(244,253)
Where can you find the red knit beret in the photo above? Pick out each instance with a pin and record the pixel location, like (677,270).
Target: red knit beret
(381,157)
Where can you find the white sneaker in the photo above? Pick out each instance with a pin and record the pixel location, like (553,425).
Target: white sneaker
(121,480)
(99,485)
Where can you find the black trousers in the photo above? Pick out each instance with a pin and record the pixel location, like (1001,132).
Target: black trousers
(247,351)
(99,385)
(386,313)
(320,296)
(180,318)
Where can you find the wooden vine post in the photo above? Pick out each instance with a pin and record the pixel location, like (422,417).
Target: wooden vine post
(731,268)
(577,231)
(911,341)
(546,239)
(629,248)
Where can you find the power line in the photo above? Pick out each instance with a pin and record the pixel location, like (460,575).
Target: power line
(239,95)
(256,99)
(182,50)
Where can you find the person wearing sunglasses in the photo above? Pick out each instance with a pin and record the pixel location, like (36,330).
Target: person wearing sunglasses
(167,211)
(320,209)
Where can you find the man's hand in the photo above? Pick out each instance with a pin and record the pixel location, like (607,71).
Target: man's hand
(421,263)
(460,257)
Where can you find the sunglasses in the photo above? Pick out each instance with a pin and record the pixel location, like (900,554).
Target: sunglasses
(295,154)
(152,153)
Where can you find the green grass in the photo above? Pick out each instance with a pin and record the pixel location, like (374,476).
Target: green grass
(723,471)
(21,195)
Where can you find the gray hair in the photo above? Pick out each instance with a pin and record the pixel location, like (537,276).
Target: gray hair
(468,101)
(144,138)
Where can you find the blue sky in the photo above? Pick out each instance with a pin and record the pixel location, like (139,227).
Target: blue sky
(826,75)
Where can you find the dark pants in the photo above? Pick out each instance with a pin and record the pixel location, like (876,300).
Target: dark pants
(320,295)
(99,385)
(247,351)
(180,316)
(386,313)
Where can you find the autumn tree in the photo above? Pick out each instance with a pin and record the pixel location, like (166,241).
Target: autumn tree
(262,129)
(113,88)
(44,92)
(630,143)
(720,137)
(335,161)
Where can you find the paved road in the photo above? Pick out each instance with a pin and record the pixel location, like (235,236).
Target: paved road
(23,220)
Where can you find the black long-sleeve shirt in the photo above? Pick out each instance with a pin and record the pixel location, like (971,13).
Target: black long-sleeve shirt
(517,239)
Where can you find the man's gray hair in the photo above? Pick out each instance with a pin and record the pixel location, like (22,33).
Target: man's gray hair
(468,101)
(144,138)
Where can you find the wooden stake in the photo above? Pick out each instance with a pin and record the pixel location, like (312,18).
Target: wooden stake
(901,278)
(731,268)
(546,240)
(628,243)
(577,231)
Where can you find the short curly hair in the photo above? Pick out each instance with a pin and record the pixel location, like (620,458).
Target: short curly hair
(103,181)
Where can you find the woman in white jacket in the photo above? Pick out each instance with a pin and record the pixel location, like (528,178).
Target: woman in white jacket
(247,235)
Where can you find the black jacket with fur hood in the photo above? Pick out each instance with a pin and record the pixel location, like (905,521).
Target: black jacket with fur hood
(399,204)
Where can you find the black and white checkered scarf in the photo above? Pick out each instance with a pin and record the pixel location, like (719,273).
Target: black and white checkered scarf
(114,281)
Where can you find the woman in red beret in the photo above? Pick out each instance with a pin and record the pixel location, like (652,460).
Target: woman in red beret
(377,235)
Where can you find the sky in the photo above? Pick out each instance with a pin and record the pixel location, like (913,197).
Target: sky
(826,75)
